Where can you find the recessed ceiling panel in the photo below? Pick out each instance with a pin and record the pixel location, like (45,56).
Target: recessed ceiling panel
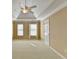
(41,6)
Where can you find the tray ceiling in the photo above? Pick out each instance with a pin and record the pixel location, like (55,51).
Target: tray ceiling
(42,6)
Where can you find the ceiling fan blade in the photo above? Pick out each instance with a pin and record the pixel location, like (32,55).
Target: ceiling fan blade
(26,7)
(33,6)
(22,8)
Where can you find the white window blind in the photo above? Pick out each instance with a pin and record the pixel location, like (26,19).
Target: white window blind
(33,29)
(20,29)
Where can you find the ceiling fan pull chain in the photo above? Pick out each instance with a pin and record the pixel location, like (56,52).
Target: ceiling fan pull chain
(25,2)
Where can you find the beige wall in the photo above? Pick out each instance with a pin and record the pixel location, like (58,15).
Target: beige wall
(57,31)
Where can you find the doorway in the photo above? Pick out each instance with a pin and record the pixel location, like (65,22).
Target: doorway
(46,32)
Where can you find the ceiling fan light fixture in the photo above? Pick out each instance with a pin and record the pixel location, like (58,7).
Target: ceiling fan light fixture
(25,11)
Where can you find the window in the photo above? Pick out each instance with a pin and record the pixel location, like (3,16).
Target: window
(20,29)
(33,29)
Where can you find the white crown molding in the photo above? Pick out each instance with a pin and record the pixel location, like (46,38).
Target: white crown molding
(24,20)
(58,8)
(55,6)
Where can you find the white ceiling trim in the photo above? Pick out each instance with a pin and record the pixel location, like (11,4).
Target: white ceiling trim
(61,6)
(25,20)
(43,10)
(41,6)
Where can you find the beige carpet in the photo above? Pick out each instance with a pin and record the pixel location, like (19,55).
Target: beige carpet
(32,50)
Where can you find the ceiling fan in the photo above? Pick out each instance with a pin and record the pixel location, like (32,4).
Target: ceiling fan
(26,8)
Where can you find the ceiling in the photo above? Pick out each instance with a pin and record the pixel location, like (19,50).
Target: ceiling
(43,8)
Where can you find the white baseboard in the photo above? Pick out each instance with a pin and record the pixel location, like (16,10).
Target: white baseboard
(59,54)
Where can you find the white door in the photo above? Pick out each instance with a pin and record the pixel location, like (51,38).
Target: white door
(46,33)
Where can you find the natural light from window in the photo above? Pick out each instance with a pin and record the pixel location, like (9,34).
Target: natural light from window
(33,29)
(20,29)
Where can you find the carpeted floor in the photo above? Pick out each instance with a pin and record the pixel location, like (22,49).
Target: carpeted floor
(32,50)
